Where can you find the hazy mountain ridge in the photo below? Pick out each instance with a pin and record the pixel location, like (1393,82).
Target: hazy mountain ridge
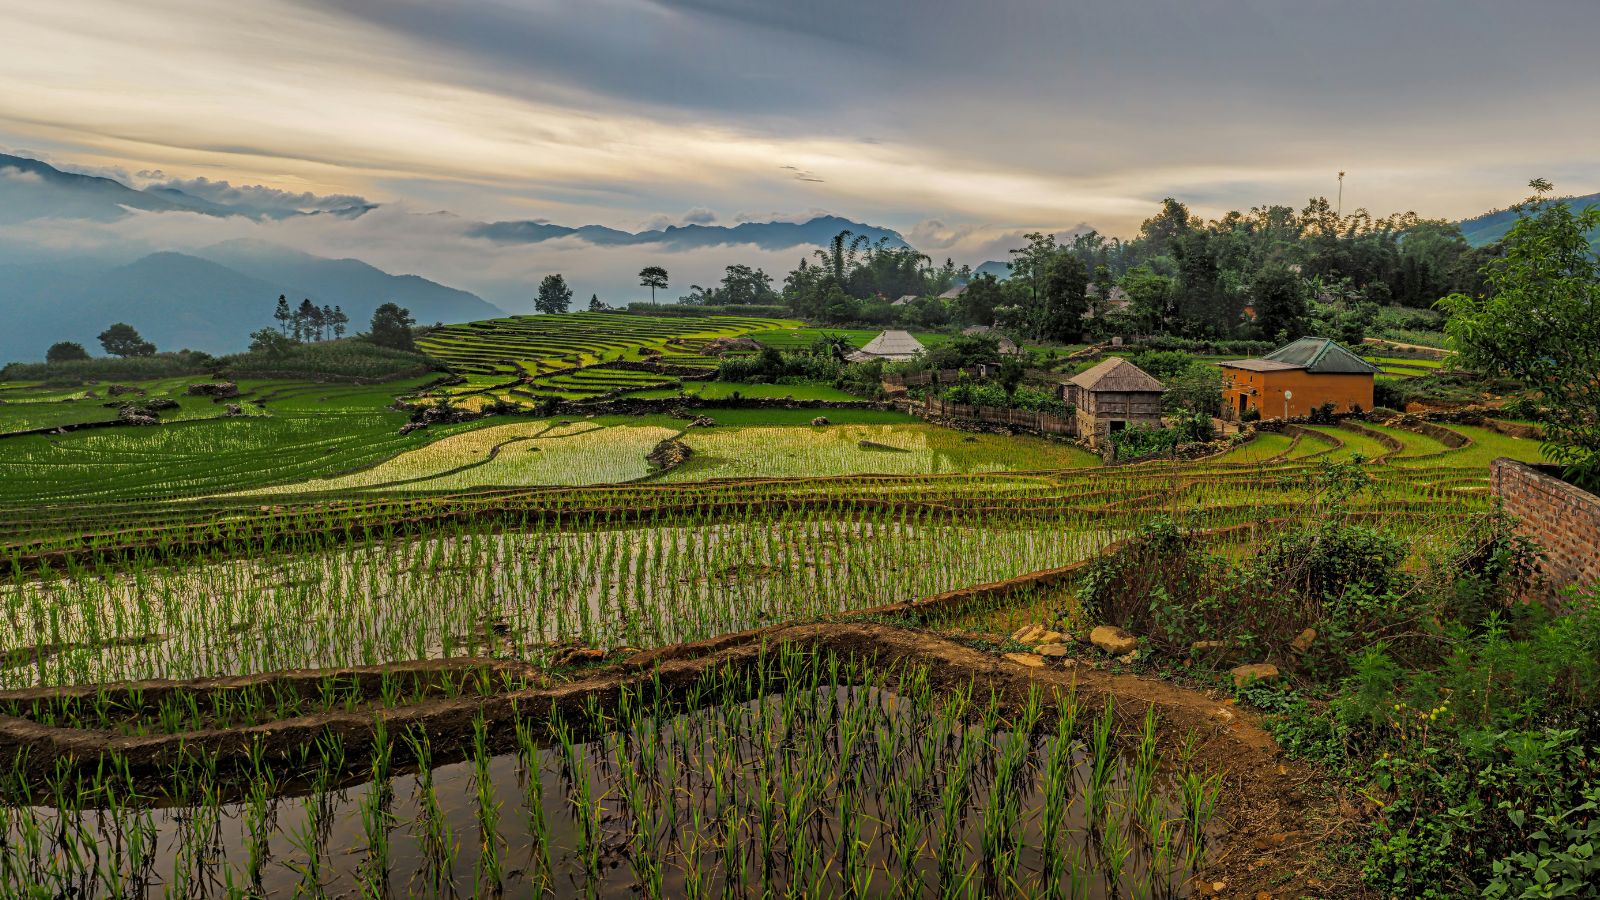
(766,235)
(181,301)
(1491,227)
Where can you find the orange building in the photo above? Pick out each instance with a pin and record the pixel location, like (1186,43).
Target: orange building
(1293,379)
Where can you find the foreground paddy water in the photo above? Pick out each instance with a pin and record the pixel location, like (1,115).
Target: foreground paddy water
(849,782)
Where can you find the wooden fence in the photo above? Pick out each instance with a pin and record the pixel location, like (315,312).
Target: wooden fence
(1022,418)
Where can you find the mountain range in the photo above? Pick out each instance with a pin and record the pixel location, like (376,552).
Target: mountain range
(211,298)
(210,301)
(1491,227)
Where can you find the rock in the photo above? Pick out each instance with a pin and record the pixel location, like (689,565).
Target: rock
(1049,637)
(1199,647)
(117,390)
(214,389)
(1113,640)
(409,427)
(1130,657)
(701,422)
(233,410)
(572,656)
(1053,649)
(90,395)
(1027,659)
(621,652)
(1255,672)
(820,420)
(1302,643)
(1028,633)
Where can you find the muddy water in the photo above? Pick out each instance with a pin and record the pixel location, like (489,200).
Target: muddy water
(856,787)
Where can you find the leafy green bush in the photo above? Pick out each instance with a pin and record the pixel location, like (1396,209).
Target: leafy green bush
(1143,439)
(108,368)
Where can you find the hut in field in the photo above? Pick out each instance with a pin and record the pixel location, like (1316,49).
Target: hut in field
(1114,395)
(896,346)
(905,300)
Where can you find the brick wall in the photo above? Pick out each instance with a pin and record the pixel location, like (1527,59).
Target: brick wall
(1563,519)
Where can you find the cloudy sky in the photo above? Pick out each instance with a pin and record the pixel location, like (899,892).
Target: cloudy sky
(960,124)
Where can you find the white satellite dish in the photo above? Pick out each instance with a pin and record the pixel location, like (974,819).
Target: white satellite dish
(1288,395)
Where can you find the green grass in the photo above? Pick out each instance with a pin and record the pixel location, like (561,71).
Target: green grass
(722,390)
(1265,446)
(1486,446)
(1414,444)
(804,416)
(788,452)
(1353,443)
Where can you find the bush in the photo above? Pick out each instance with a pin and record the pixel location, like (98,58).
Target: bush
(350,358)
(680,310)
(108,368)
(1144,439)
(770,365)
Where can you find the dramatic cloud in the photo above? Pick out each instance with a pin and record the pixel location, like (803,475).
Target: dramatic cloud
(966,125)
(255,195)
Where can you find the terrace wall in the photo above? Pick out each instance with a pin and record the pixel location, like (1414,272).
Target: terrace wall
(1565,520)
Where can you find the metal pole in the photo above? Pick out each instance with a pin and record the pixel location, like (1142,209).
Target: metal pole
(1341,195)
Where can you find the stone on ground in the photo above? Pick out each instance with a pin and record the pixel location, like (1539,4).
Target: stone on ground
(1302,643)
(1113,640)
(1027,659)
(1243,675)
(1028,634)
(820,420)
(1053,649)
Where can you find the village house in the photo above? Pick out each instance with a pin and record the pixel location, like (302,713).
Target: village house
(1296,378)
(1114,395)
(895,346)
(1007,346)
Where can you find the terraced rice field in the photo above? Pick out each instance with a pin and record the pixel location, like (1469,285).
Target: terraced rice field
(562,355)
(788,452)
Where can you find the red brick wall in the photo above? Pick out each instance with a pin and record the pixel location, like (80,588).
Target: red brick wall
(1563,519)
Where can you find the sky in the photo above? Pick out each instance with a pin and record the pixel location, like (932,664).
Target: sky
(962,125)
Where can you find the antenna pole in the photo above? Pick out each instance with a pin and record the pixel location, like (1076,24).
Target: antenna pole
(1341,195)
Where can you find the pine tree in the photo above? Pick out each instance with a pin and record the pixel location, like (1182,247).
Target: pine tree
(340,320)
(283,315)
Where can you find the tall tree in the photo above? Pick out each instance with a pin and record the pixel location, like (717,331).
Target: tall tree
(594,303)
(283,314)
(391,327)
(340,320)
(1065,281)
(325,322)
(1539,322)
(305,316)
(65,351)
(1279,298)
(554,295)
(653,277)
(122,340)
(1162,230)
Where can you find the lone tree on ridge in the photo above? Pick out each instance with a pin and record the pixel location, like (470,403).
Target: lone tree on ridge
(554,295)
(65,351)
(122,340)
(653,277)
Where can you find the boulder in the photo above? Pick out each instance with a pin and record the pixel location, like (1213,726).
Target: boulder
(233,410)
(214,389)
(820,420)
(117,390)
(1053,649)
(1113,640)
(1302,644)
(1032,660)
(1243,675)
(701,422)
(1049,637)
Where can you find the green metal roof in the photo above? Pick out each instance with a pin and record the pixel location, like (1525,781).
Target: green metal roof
(1321,355)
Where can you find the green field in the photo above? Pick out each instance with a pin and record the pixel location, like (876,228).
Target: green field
(721,390)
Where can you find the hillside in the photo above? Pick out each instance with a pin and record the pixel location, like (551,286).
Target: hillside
(180,301)
(1491,227)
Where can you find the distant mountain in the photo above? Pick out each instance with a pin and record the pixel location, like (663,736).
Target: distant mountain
(357,287)
(994,267)
(1491,227)
(179,301)
(766,235)
(30,189)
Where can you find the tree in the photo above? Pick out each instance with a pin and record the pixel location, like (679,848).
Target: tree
(976,304)
(653,277)
(554,295)
(1065,282)
(122,340)
(1161,230)
(305,316)
(1539,321)
(283,314)
(832,345)
(1011,372)
(65,351)
(594,303)
(325,322)
(391,327)
(272,343)
(340,320)
(1279,297)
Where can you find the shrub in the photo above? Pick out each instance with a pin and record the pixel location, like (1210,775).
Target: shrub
(350,358)
(65,351)
(109,368)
